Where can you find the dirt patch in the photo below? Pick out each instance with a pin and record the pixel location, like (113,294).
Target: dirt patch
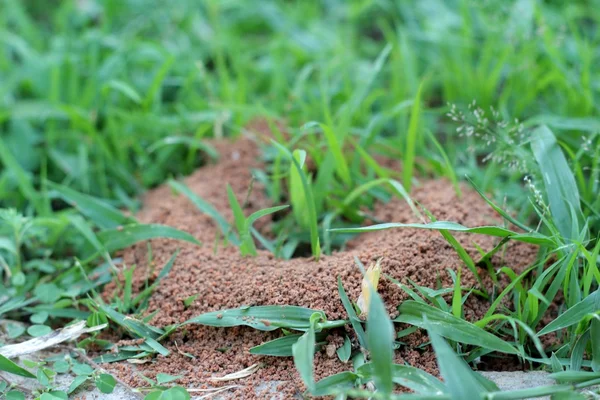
(224,279)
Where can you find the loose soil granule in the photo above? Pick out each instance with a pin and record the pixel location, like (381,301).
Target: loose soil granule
(224,279)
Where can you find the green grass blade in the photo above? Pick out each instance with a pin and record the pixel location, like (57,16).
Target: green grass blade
(304,353)
(451,174)
(412,378)
(308,196)
(282,347)
(190,142)
(102,214)
(124,88)
(561,188)
(500,211)
(335,384)
(120,238)
(207,209)
(247,246)
(8,366)
(23,179)
(533,237)
(573,315)
(335,147)
(261,213)
(397,189)
(132,325)
(450,327)
(380,339)
(459,379)
(354,320)
(238,214)
(264,318)
(457,296)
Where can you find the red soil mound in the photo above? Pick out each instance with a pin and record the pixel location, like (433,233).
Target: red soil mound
(224,279)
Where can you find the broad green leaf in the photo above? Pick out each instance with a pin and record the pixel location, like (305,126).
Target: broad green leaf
(533,237)
(38,330)
(39,317)
(123,237)
(410,377)
(106,383)
(102,214)
(264,318)
(54,395)
(174,393)
(561,188)
(78,381)
(61,367)
(573,315)
(380,341)
(14,330)
(82,369)
(15,395)
(12,368)
(345,351)
(450,327)
(47,293)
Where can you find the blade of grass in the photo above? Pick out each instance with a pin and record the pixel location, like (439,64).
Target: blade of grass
(459,379)
(412,378)
(122,237)
(380,339)
(308,196)
(264,318)
(282,347)
(450,327)
(103,214)
(561,188)
(500,211)
(573,315)
(411,140)
(533,237)
(354,320)
(207,209)
(304,353)
(12,368)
